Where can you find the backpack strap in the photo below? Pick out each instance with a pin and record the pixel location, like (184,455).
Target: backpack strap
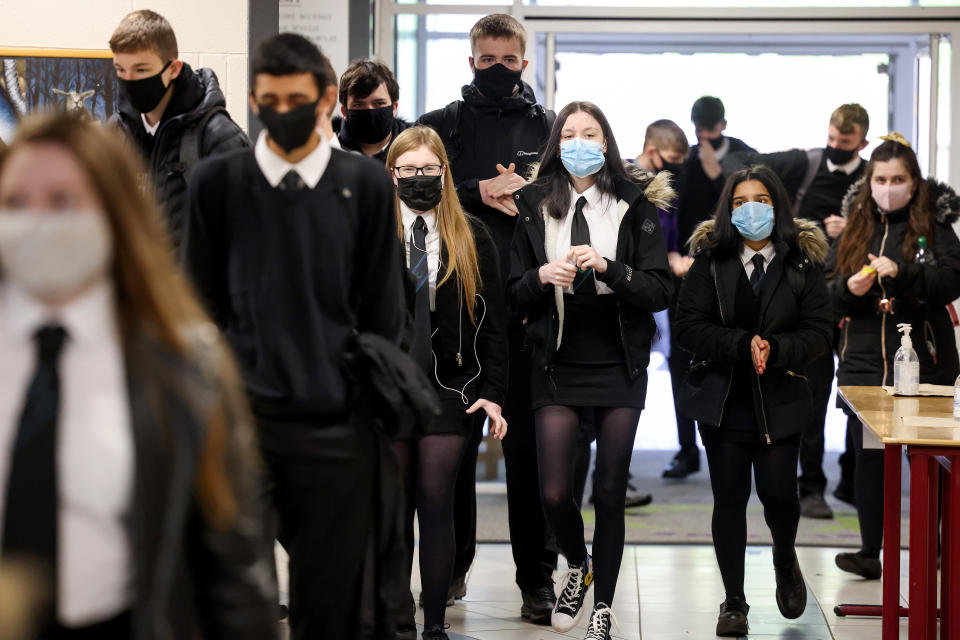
(546,118)
(191,142)
(450,130)
(814,156)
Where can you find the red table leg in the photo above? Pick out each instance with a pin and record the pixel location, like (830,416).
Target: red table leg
(891,541)
(950,573)
(923,493)
(946,555)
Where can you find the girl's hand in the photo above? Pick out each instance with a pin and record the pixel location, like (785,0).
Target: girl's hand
(760,351)
(559,272)
(886,268)
(498,425)
(585,257)
(860,282)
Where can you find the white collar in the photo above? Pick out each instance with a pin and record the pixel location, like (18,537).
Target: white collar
(274,168)
(409,217)
(151,129)
(91,316)
(848,168)
(594,196)
(724,148)
(769,251)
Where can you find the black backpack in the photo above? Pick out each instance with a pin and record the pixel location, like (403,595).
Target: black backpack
(450,130)
(191,142)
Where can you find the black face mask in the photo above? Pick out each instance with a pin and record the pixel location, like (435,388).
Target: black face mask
(673,167)
(290,130)
(839,156)
(497,81)
(370,125)
(146,93)
(420,193)
(716,143)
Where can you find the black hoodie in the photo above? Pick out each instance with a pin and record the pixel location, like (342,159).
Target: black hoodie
(480,132)
(195,93)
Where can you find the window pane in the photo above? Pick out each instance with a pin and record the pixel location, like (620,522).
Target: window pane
(762,4)
(773,102)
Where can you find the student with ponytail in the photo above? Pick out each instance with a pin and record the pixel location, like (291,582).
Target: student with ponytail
(460,339)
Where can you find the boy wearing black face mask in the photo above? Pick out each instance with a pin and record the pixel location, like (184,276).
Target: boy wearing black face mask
(369,97)
(703,177)
(492,136)
(174,114)
(293,246)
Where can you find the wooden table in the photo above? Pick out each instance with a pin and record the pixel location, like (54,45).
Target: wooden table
(926,427)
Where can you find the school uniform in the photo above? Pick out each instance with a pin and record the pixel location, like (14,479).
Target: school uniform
(293,260)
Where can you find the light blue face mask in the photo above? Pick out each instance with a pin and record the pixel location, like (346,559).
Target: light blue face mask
(581,157)
(753,220)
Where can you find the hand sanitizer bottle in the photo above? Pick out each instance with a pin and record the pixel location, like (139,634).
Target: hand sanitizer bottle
(956,399)
(906,366)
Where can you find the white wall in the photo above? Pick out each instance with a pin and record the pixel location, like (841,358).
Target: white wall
(210,33)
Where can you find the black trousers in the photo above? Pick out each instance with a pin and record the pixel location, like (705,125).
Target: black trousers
(868,490)
(812,480)
(532,542)
(679,364)
(320,503)
(119,627)
(465,505)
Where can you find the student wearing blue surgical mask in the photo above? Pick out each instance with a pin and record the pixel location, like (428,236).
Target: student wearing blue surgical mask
(588,270)
(755,313)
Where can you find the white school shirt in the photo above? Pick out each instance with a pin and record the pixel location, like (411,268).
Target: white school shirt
(847,168)
(150,128)
(433,245)
(274,168)
(746,257)
(95,448)
(603,219)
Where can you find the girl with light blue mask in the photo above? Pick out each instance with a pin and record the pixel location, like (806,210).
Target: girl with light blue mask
(589,270)
(754,311)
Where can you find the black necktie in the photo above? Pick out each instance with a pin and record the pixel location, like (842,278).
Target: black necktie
(30,518)
(583,282)
(420,267)
(292,181)
(758,271)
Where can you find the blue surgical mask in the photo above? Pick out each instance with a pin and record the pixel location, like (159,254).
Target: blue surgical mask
(753,220)
(581,157)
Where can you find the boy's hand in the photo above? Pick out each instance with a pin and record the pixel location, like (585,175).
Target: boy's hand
(708,159)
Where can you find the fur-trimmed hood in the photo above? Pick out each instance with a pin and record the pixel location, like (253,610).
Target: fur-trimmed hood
(948,202)
(656,186)
(810,238)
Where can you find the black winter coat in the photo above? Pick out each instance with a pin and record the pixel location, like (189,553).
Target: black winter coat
(920,292)
(478,133)
(794,318)
(347,143)
(194,94)
(640,278)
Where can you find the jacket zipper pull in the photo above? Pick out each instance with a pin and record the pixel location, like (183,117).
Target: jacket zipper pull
(459,360)
(768,439)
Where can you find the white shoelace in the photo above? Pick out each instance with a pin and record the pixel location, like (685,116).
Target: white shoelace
(574,580)
(600,623)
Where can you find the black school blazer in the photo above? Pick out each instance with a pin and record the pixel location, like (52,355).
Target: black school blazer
(795,317)
(640,277)
(457,334)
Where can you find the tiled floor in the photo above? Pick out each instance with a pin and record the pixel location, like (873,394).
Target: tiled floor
(673,592)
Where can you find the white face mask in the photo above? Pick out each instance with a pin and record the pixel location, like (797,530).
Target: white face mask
(892,197)
(53,256)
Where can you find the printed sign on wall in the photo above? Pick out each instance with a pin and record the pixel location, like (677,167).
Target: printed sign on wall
(325,22)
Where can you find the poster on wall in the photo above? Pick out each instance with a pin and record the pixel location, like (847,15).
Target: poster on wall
(84,82)
(324,22)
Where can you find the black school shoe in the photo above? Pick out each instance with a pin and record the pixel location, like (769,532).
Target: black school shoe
(538,604)
(436,632)
(405,631)
(686,461)
(569,607)
(732,621)
(791,590)
(857,563)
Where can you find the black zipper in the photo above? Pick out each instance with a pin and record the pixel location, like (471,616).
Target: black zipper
(724,321)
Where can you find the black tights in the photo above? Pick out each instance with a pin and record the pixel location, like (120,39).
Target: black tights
(434,461)
(558,429)
(775,468)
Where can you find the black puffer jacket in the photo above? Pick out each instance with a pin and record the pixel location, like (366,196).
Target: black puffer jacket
(794,318)
(640,277)
(920,292)
(478,133)
(195,93)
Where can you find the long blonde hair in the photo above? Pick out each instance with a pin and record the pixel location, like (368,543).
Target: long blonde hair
(152,295)
(455,232)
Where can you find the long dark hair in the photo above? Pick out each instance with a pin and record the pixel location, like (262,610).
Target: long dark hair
(724,240)
(862,218)
(554,176)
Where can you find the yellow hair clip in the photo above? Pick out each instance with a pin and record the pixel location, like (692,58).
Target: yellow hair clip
(896,137)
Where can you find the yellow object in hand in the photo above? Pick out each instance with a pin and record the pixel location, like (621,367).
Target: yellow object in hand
(867,270)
